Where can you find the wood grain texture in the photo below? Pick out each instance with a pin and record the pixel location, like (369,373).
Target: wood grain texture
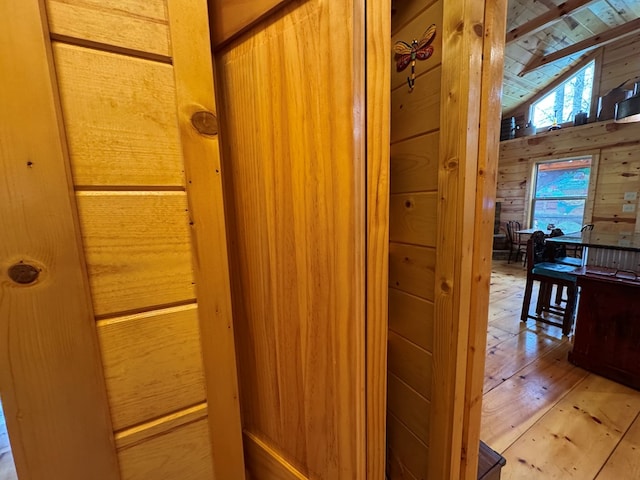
(411,364)
(137,249)
(414,112)
(53,391)
(411,317)
(229,17)
(486,173)
(129,24)
(625,461)
(412,217)
(295,184)
(121,119)
(266,463)
(195,92)
(526,396)
(414,164)
(378,50)
(586,425)
(408,406)
(159,426)
(183,453)
(152,363)
(408,450)
(463,38)
(411,269)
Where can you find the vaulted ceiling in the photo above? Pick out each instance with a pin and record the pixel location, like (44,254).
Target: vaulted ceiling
(540,31)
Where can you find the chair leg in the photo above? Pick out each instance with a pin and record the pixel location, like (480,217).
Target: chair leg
(526,300)
(544,297)
(567,321)
(559,289)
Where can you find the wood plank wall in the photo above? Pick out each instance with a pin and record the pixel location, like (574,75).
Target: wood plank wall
(415,122)
(618,170)
(120,101)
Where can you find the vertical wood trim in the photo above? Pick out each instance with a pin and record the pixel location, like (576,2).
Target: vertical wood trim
(495,17)
(462,48)
(363,260)
(592,189)
(51,378)
(193,69)
(378,86)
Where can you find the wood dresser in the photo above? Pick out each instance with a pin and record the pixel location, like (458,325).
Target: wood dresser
(607,333)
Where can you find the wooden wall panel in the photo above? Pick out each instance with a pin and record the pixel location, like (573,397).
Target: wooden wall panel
(152,363)
(414,112)
(183,453)
(129,24)
(618,64)
(137,248)
(414,164)
(411,317)
(229,17)
(618,171)
(411,364)
(53,393)
(120,117)
(415,157)
(413,30)
(411,269)
(128,93)
(407,451)
(412,216)
(295,178)
(409,407)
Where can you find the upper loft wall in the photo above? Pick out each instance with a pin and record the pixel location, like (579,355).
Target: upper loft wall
(596,17)
(617,67)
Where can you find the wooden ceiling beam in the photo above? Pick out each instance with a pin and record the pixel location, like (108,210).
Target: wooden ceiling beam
(547,18)
(586,44)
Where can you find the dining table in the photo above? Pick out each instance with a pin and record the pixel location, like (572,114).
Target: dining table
(605,249)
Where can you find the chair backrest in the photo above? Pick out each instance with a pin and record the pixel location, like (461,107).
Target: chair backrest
(588,226)
(556,250)
(536,249)
(513,226)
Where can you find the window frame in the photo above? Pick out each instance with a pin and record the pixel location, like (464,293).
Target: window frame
(590,199)
(571,74)
(596,55)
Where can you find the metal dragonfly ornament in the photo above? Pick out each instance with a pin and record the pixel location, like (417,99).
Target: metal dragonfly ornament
(418,50)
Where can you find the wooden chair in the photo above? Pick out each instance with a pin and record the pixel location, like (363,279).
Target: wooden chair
(549,274)
(515,241)
(574,252)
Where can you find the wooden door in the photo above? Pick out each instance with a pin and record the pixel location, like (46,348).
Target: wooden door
(305,155)
(118,358)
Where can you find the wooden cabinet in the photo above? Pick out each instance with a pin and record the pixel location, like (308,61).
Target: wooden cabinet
(607,336)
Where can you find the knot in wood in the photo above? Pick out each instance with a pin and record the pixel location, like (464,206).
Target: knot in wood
(23,273)
(205,123)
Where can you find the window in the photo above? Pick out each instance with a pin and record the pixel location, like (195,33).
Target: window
(566,100)
(560,191)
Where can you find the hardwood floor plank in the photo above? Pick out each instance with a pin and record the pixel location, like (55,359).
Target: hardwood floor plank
(575,438)
(510,356)
(513,407)
(522,415)
(625,461)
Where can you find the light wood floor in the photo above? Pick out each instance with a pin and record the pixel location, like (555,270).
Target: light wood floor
(548,418)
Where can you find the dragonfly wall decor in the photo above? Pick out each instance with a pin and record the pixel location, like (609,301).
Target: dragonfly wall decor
(418,50)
